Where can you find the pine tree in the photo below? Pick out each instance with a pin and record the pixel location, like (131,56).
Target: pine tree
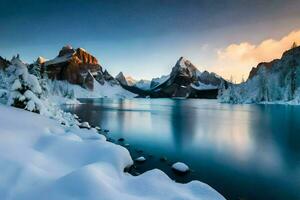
(25,89)
(243,80)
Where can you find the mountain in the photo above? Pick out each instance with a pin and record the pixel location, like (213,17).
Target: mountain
(131,82)
(275,81)
(4,63)
(184,81)
(157,81)
(130,85)
(76,66)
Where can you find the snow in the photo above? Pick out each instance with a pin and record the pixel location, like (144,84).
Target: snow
(155,82)
(105,90)
(278,83)
(183,62)
(130,81)
(25,87)
(181,167)
(63,88)
(16,85)
(41,60)
(45,160)
(143,84)
(58,59)
(203,86)
(85,125)
(141,159)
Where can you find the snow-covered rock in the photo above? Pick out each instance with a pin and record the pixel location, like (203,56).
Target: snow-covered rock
(180,167)
(140,159)
(85,125)
(44,160)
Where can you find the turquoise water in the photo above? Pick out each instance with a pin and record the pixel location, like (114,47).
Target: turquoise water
(243,151)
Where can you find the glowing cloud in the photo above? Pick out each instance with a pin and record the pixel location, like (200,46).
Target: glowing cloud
(236,60)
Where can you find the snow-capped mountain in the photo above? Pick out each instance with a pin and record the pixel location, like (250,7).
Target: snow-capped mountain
(74,72)
(78,67)
(157,81)
(75,66)
(275,81)
(129,81)
(185,80)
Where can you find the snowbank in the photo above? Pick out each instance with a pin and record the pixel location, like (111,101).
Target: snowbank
(40,159)
(62,88)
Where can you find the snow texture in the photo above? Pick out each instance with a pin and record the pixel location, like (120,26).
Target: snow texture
(63,88)
(41,159)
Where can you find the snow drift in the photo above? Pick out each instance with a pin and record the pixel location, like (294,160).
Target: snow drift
(40,159)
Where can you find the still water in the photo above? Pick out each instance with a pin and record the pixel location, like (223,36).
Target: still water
(248,152)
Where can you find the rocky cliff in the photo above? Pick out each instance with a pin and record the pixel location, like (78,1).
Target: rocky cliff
(275,81)
(76,66)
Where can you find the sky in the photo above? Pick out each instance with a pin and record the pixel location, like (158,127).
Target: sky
(145,38)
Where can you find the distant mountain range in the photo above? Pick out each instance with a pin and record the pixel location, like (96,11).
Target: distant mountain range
(184,81)
(79,67)
(275,81)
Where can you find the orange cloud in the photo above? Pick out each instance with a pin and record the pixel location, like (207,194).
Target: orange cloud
(237,59)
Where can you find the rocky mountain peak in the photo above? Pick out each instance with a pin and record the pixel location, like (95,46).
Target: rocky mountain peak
(85,57)
(121,78)
(66,50)
(40,60)
(184,71)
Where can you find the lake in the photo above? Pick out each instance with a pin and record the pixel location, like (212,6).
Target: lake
(248,152)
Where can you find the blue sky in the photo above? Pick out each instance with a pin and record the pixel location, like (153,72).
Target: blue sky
(141,38)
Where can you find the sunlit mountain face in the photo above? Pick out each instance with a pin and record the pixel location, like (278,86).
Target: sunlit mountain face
(144,39)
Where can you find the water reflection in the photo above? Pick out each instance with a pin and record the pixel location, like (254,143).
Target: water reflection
(231,147)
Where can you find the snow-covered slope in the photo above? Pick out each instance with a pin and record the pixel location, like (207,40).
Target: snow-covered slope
(99,91)
(44,160)
(277,81)
(143,84)
(159,80)
(131,82)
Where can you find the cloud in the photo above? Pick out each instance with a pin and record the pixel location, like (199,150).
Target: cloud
(237,59)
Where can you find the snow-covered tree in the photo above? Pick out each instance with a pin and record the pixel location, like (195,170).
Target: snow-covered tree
(3,86)
(25,90)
